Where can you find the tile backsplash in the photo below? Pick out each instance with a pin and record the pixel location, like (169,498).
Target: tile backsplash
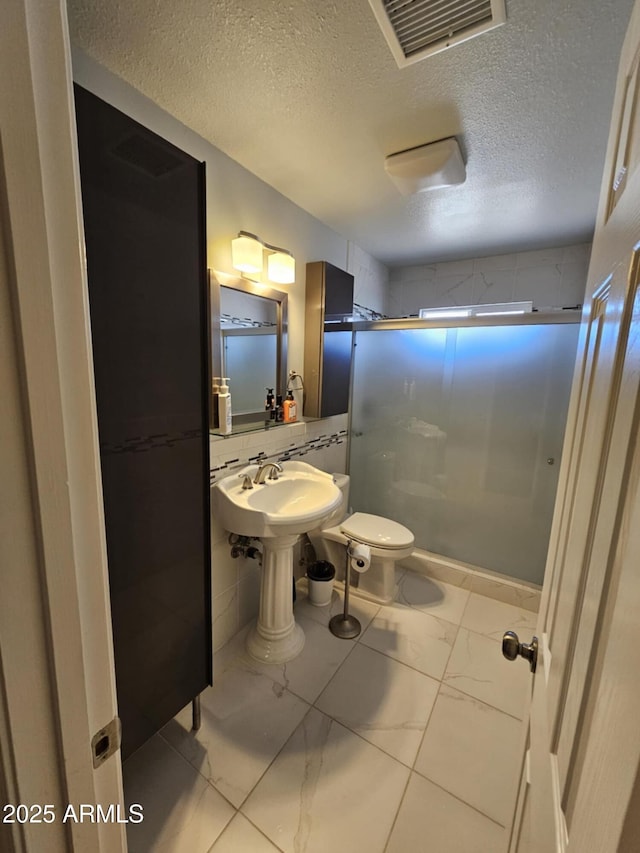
(236,582)
(322,441)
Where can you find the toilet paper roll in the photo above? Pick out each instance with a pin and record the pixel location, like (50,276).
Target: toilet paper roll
(360,556)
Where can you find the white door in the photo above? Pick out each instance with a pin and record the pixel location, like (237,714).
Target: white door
(577,792)
(57,686)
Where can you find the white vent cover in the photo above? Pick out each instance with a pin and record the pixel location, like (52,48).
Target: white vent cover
(414,29)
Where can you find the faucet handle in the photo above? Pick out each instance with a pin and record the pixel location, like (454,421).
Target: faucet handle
(246,481)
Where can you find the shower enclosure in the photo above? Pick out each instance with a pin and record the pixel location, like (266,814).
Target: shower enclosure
(457,430)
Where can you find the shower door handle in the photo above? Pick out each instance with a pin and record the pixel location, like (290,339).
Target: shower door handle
(512,648)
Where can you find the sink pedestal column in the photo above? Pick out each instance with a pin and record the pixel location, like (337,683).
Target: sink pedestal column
(276,638)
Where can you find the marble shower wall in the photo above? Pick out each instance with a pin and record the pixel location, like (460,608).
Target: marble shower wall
(371,285)
(551,278)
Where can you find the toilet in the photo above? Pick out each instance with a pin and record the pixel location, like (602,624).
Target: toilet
(388,541)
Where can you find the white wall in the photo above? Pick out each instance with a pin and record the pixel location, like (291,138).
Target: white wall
(238,200)
(549,277)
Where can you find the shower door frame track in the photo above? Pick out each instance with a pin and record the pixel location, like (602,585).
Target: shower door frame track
(533,318)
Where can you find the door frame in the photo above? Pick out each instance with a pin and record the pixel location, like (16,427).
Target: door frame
(57,678)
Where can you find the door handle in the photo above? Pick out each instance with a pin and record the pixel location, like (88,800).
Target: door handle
(512,648)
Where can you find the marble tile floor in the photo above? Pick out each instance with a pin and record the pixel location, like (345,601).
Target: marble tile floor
(407,739)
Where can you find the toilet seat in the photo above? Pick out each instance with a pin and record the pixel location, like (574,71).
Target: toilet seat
(377,531)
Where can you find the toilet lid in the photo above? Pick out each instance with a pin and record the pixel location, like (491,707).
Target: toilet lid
(374,530)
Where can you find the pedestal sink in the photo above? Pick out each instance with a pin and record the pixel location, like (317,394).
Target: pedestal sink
(277,511)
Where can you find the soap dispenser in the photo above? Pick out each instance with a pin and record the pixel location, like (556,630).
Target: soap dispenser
(290,409)
(215,413)
(224,407)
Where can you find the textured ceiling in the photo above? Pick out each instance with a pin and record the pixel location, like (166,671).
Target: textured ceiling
(306,95)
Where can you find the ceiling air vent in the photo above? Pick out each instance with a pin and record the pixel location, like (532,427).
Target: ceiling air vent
(414,29)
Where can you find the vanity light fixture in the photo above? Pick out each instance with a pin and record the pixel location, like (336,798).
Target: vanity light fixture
(247,256)
(281,268)
(246,253)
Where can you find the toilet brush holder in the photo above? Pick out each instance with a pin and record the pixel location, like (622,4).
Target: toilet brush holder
(343,625)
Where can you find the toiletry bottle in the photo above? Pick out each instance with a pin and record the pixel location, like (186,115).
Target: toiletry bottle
(268,405)
(279,409)
(215,392)
(224,407)
(290,409)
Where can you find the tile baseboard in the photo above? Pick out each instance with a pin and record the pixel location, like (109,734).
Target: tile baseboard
(481,581)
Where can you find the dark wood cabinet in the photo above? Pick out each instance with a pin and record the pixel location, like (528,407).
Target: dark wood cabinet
(144,207)
(327,342)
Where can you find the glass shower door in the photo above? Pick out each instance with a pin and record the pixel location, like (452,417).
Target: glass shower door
(457,434)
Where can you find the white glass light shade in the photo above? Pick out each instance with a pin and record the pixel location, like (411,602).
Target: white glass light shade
(246,254)
(281,268)
(428,167)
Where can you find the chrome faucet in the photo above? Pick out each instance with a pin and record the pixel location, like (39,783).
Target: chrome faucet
(262,470)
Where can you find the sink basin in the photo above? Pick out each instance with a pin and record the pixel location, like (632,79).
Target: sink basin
(295,503)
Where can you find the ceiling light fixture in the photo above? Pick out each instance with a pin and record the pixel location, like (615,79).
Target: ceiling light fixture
(427,167)
(247,257)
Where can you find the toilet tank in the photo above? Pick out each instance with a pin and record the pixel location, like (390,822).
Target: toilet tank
(339,513)
(342,482)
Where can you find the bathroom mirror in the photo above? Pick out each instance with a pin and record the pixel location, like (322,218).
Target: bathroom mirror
(248,344)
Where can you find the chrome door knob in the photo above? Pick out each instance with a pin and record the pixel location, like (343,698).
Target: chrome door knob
(512,648)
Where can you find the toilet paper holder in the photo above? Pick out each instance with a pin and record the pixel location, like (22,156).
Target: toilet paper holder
(359,556)
(343,625)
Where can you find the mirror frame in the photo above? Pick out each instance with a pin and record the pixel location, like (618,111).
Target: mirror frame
(280,297)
